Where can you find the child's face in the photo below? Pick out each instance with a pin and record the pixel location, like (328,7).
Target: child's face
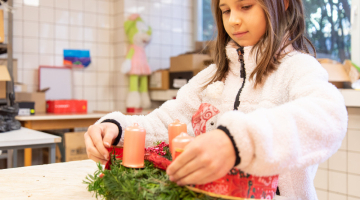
(244,20)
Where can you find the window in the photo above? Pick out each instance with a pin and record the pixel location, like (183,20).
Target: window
(328,26)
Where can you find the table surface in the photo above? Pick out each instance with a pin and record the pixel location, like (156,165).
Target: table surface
(26,136)
(53,181)
(60,116)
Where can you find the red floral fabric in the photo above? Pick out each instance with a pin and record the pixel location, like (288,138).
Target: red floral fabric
(205,112)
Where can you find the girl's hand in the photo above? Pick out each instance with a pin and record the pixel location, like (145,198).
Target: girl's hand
(97,138)
(207,158)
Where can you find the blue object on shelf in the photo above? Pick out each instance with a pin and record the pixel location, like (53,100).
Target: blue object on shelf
(77,57)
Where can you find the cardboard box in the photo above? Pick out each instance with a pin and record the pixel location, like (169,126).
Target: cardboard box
(205,47)
(75,148)
(20,87)
(3,61)
(37,97)
(159,80)
(351,70)
(4,76)
(337,74)
(188,62)
(66,106)
(2,30)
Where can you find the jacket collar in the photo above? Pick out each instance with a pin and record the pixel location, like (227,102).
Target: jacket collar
(249,59)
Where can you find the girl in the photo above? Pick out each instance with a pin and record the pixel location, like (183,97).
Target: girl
(265,106)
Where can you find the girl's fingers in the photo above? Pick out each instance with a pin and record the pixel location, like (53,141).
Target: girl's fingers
(95,133)
(185,157)
(90,148)
(193,178)
(189,168)
(96,159)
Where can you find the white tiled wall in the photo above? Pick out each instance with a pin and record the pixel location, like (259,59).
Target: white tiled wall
(339,177)
(41,33)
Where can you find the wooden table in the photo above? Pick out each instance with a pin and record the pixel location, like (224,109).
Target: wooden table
(52,181)
(55,121)
(27,138)
(59,121)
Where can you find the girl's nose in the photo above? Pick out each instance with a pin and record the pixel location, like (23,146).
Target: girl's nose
(234,19)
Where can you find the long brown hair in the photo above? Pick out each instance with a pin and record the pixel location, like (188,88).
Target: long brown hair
(284,27)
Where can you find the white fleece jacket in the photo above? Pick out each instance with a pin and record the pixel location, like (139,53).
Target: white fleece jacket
(288,126)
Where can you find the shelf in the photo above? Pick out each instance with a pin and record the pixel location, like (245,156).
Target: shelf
(163,95)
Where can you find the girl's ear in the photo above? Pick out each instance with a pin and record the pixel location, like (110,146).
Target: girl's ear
(286,4)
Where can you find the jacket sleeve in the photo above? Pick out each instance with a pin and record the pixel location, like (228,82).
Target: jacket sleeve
(305,131)
(182,108)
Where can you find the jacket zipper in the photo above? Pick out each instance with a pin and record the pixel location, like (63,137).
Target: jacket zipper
(240,52)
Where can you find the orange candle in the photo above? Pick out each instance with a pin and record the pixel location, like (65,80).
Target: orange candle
(134,146)
(175,129)
(179,144)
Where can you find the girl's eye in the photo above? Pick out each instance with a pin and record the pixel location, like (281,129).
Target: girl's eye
(247,7)
(226,11)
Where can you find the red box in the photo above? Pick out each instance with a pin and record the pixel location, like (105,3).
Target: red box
(66,106)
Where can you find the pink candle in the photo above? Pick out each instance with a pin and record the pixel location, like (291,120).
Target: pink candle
(179,144)
(134,146)
(175,129)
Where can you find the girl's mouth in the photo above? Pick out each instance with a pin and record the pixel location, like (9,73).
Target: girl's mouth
(240,34)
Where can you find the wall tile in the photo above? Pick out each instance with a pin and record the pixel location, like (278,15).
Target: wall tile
(47,46)
(354,163)
(103,7)
(62,32)
(18,45)
(31,61)
(354,140)
(47,15)
(30,76)
(338,161)
(103,21)
(31,13)
(31,45)
(334,196)
(353,184)
(90,6)
(46,60)
(90,79)
(18,28)
(103,35)
(78,77)
(337,182)
(90,93)
(31,29)
(63,4)
(76,18)
(76,33)
(78,92)
(47,3)
(76,45)
(77,5)
(103,105)
(60,45)
(62,17)
(90,19)
(322,195)
(47,30)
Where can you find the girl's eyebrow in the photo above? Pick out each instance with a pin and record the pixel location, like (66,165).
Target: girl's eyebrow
(225,4)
